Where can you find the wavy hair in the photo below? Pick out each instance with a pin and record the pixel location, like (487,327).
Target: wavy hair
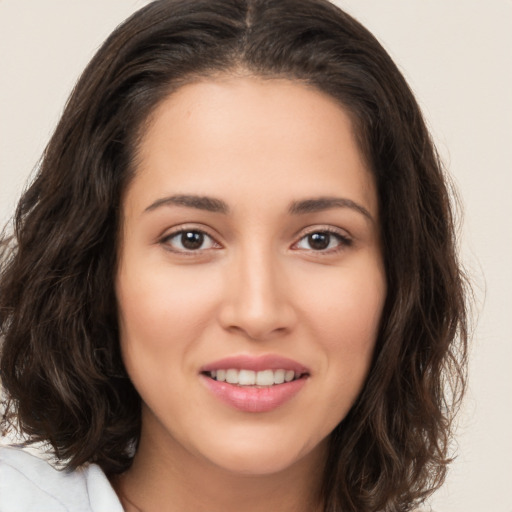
(60,359)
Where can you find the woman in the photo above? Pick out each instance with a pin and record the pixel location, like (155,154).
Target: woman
(233,282)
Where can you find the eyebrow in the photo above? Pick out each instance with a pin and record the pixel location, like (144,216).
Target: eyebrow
(305,206)
(326,203)
(209,204)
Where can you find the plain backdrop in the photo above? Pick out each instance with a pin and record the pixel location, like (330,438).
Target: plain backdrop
(457,57)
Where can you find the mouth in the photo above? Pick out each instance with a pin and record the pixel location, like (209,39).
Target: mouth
(255,384)
(261,379)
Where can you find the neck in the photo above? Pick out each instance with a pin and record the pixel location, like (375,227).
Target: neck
(172,479)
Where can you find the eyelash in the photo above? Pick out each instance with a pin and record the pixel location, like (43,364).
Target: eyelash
(343,241)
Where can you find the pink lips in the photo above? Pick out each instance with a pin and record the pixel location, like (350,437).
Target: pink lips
(256,363)
(255,399)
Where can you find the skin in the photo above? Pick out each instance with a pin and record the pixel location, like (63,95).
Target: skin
(256,286)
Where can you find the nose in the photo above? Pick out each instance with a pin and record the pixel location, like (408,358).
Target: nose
(258,302)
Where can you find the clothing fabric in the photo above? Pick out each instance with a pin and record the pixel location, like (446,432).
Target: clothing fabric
(30,484)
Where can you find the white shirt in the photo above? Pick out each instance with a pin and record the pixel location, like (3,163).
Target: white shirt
(30,484)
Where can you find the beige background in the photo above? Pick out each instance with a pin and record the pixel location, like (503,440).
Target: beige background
(457,56)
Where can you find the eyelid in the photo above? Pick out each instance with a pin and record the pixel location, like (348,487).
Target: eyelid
(163,240)
(345,239)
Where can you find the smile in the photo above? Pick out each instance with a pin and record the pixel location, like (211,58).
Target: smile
(263,378)
(255,384)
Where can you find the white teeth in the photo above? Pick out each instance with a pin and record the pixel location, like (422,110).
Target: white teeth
(247,378)
(265,378)
(232,376)
(288,376)
(279,376)
(251,378)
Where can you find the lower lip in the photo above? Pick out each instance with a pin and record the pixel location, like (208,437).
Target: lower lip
(252,399)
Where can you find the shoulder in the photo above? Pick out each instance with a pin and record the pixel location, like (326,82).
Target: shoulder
(30,484)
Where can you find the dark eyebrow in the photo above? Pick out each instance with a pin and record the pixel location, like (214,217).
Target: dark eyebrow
(209,204)
(325,203)
(212,204)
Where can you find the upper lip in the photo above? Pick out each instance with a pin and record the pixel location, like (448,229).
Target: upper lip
(256,363)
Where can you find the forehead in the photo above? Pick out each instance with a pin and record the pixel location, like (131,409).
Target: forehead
(264,135)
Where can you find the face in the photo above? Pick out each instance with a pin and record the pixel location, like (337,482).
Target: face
(250,282)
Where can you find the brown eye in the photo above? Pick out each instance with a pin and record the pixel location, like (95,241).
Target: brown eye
(189,240)
(319,241)
(192,240)
(323,241)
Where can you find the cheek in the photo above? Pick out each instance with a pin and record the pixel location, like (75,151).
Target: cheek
(344,318)
(346,307)
(161,310)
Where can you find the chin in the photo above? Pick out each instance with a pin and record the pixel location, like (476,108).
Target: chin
(263,458)
(260,466)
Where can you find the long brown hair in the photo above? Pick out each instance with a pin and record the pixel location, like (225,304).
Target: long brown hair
(60,362)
